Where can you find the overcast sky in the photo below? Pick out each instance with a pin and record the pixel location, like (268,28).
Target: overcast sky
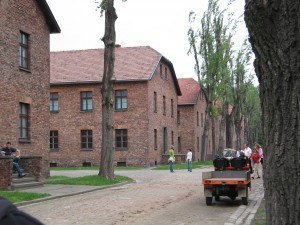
(161,24)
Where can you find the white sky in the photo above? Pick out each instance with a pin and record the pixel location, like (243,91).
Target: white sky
(161,24)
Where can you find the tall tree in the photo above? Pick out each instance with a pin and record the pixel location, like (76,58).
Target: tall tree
(210,44)
(107,91)
(239,90)
(275,37)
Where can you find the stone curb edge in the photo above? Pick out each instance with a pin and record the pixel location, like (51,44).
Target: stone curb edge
(20,204)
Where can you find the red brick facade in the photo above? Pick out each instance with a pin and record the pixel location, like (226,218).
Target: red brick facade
(191,109)
(139,119)
(25,85)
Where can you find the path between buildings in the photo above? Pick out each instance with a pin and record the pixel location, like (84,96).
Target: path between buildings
(157,197)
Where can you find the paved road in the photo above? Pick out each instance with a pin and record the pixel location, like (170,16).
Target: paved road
(157,197)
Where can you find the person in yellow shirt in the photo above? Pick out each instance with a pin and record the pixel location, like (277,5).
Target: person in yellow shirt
(171,159)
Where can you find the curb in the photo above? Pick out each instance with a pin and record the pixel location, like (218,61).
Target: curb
(245,214)
(20,204)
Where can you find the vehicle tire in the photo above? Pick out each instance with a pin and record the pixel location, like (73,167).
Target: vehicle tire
(208,200)
(245,200)
(217,198)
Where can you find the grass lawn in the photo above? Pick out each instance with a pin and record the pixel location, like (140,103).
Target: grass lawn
(15,196)
(93,180)
(94,168)
(183,166)
(260,216)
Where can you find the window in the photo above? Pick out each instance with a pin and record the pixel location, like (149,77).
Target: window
(198,144)
(160,70)
(86,139)
(121,99)
(23,51)
(197,118)
(179,145)
(155,139)
(202,120)
(164,105)
(166,73)
(121,138)
(86,100)
(54,103)
(53,139)
(178,117)
(172,137)
(172,108)
(24,121)
(155,102)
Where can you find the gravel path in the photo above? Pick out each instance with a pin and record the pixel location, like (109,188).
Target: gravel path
(157,197)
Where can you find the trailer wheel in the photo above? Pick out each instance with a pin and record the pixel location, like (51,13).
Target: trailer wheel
(208,200)
(217,198)
(245,200)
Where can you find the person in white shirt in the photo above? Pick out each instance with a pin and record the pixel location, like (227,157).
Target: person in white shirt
(248,151)
(189,157)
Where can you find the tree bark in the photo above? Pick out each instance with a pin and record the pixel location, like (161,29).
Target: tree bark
(274,28)
(222,129)
(109,39)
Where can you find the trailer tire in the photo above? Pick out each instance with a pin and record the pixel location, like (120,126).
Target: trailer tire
(208,200)
(245,200)
(217,198)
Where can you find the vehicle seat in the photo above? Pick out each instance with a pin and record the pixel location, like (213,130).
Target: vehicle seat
(238,163)
(221,163)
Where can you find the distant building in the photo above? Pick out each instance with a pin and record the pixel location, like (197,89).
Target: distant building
(146,99)
(25,73)
(191,114)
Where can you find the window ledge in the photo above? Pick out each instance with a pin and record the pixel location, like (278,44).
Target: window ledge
(87,111)
(54,111)
(24,69)
(54,149)
(87,149)
(120,110)
(23,140)
(121,149)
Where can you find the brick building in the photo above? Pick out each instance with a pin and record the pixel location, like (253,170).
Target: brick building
(146,97)
(191,114)
(25,72)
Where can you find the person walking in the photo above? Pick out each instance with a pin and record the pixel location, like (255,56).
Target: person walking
(261,153)
(10,151)
(189,157)
(171,159)
(255,157)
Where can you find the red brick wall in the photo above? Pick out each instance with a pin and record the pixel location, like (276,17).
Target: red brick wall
(139,119)
(163,87)
(22,86)
(69,122)
(189,130)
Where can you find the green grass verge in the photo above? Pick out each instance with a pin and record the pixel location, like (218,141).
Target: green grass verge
(93,180)
(93,168)
(183,166)
(260,216)
(15,196)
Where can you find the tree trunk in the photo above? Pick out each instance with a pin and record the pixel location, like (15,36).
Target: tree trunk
(109,39)
(222,129)
(213,136)
(274,28)
(206,134)
(229,133)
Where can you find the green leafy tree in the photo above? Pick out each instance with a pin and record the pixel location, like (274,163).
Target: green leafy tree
(211,45)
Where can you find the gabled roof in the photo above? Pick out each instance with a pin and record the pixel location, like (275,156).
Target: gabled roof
(86,66)
(53,26)
(190,91)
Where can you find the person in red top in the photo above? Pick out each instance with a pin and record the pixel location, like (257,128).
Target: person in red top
(255,157)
